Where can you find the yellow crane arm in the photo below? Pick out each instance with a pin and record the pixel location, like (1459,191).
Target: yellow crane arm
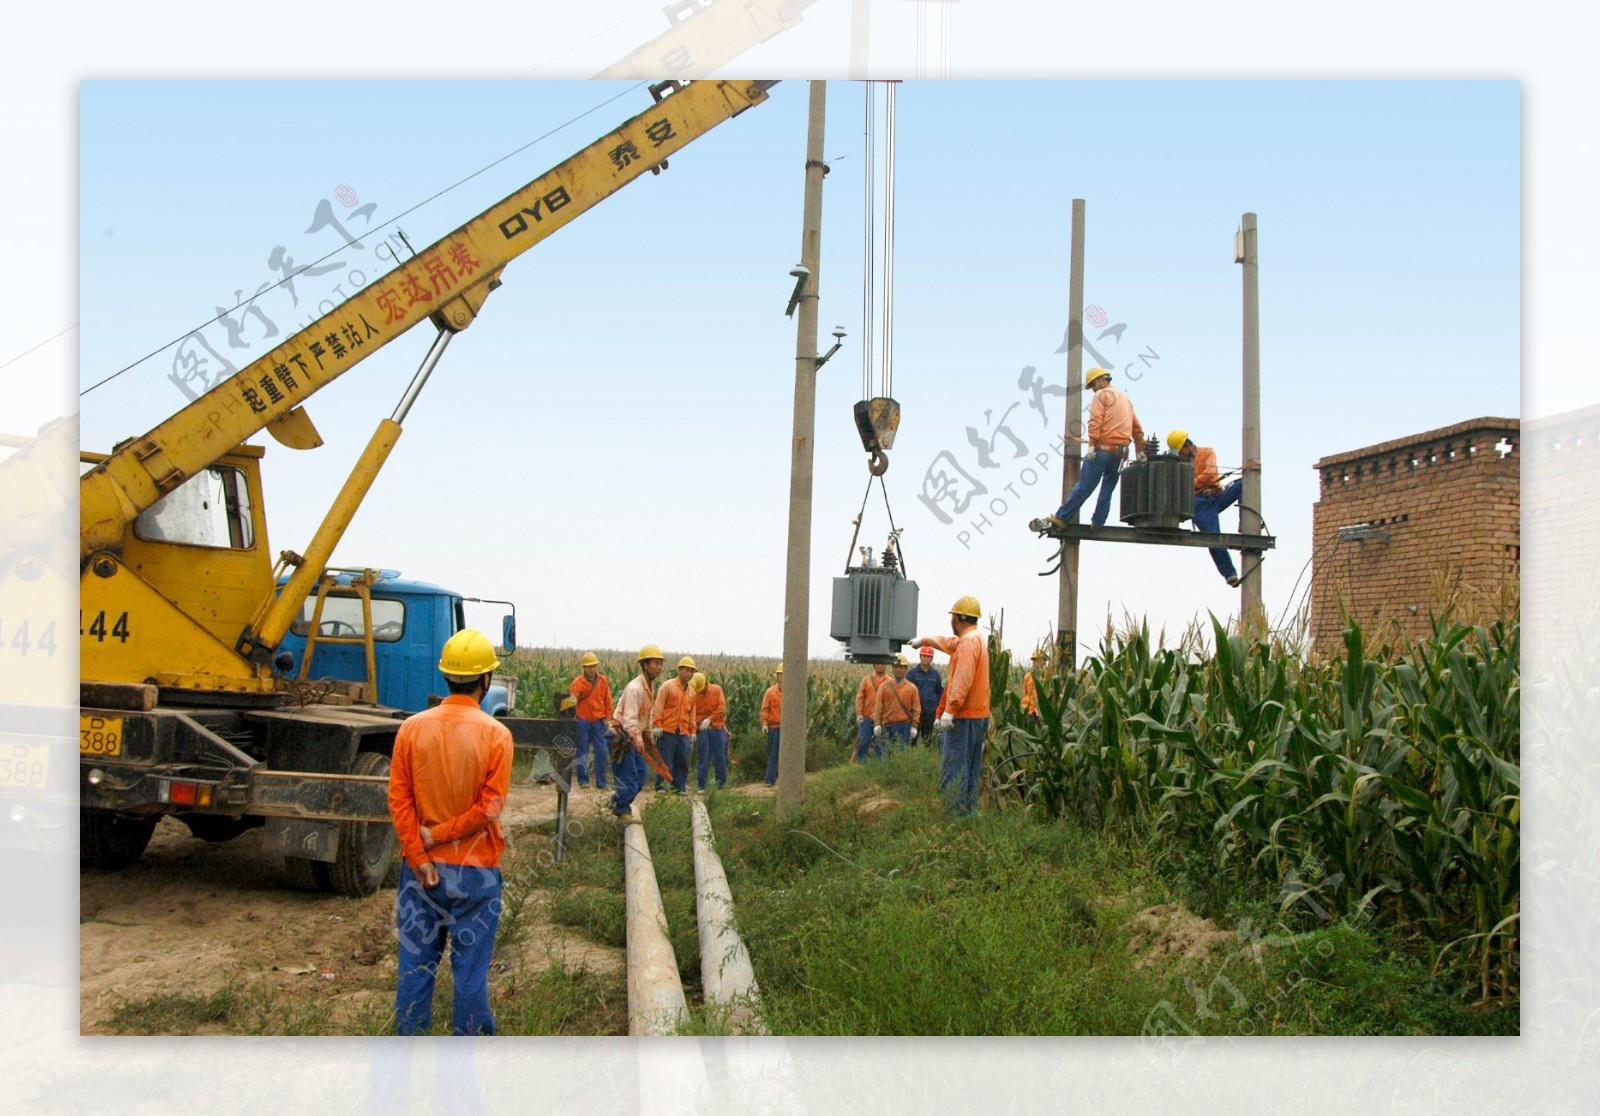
(445,283)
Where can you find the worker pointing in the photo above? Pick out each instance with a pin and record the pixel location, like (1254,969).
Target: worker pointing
(1210,498)
(674,715)
(593,693)
(633,720)
(966,717)
(448,781)
(1113,429)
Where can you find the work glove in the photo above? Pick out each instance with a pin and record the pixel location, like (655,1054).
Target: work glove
(947,722)
(913,732)
(705,724)
(877,730)
(655,736)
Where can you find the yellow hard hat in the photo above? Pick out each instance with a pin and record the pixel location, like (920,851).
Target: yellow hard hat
(900,660)
(467,654)
(779,670)
(1177,439)
(591,659)
(567,702)
(1094,374)
(649,651)
(698,682)
(687,661)
(1040,656)
(967,606)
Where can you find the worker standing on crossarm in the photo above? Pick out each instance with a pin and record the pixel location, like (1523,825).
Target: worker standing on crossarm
(899,709)
(712,740)
(771,721)
(448,781)
(593,692)
(965,720)
(1030,687)
(1210,497)
(930,688)
(674,715)
(633,717)
(867,709)
(1113,428)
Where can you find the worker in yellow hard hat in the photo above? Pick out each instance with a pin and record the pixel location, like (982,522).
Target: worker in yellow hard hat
(899,708)
(448,780)
(1210,497)
(1030,688)
(771,722)
(711,741)
(673,713)
(632,718)
(965,720)
(1113,429)
(592,690)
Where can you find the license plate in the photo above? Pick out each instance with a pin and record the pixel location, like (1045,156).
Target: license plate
(24,765)
(99,736)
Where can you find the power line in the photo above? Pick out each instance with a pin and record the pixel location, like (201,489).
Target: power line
(433,197)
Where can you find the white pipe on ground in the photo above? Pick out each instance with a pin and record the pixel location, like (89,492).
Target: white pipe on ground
(726,975)
(656,1005)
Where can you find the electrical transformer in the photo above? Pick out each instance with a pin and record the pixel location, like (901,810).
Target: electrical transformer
(874,612)
(1157,490)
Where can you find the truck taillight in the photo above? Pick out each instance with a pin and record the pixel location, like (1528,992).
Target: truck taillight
(184,794)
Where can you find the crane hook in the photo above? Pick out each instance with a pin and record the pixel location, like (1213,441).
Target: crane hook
(878,463)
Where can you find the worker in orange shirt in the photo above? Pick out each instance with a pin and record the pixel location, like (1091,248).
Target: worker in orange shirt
(448,781)
(899,708)
(593,693)
(771,722)
(1210,497)
(1030,688)
(1113,429)
(673,713)
(867,709)
(712,740)
(965,720)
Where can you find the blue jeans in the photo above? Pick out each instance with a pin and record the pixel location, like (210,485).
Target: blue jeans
(772,757)
(592,734)
(1206,511)
(898,736)
(466,907)
(1100,467)
(674,748)
(960,761)
(864,740)
(631,771)
(713,745)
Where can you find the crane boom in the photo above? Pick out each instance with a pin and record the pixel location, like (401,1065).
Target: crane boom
(445,283)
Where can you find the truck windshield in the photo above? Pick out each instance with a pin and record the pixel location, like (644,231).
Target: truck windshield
(341,618)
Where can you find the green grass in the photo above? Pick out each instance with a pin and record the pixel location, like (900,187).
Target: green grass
(237,1008)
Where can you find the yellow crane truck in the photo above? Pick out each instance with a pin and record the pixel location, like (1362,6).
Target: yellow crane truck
(183,607)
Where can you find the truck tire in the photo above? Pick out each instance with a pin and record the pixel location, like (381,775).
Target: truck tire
(366,849)
(308,875)
(111,841)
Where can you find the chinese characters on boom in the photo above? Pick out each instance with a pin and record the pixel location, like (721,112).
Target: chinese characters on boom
(1008,455)
(199,364)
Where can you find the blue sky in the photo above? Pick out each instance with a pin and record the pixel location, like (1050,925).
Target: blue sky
(608,444)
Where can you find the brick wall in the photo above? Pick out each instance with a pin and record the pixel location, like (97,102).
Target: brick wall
(1449,501)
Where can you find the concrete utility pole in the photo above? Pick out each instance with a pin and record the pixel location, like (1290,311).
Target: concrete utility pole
(1251,609)
(797,591)
(1072,463)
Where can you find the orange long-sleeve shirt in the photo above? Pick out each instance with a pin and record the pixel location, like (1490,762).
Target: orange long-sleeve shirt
(772,707)
(594,698)
(1112,423)
(1030,695)
(967,693)
(893,712)
(451,771)
(712,706)
(867,694)
(674,708)
(1205,471)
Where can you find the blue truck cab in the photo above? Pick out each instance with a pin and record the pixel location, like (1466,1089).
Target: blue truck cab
(411,620)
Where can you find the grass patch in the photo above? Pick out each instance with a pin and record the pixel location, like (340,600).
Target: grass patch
(236,1008)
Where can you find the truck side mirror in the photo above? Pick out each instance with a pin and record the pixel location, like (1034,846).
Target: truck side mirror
(508,633)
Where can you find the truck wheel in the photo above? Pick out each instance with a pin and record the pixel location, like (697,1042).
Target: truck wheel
(366,849)
(108,840)
(308,875)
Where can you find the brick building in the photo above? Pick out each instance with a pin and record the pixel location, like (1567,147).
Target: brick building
(1399,523)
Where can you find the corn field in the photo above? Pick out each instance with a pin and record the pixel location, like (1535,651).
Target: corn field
(1379,786)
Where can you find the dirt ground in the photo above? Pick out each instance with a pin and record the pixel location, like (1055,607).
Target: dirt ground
(191,917)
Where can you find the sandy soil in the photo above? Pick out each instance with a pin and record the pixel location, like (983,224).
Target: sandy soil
(190,917)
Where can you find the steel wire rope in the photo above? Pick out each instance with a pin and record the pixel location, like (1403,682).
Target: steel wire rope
(433,197)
